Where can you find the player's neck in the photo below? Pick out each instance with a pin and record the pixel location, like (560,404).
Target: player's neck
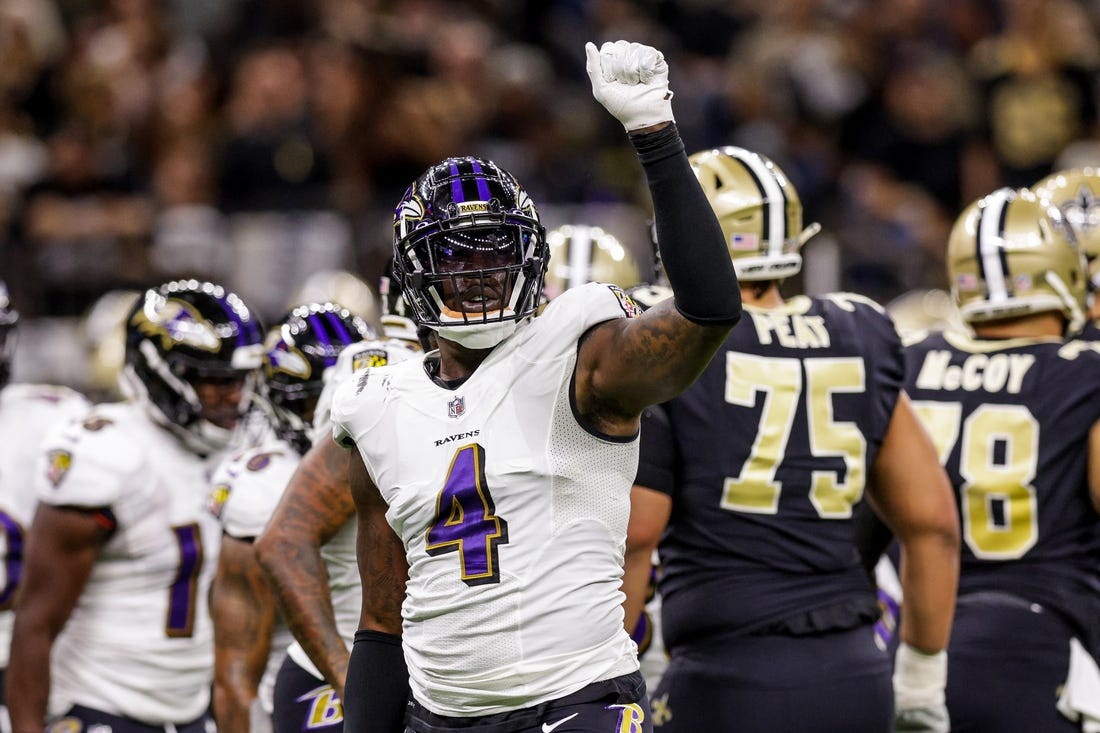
(761,294)
(458,362)
(1036,325)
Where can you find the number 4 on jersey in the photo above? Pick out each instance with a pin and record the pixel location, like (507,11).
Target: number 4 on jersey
(466,521)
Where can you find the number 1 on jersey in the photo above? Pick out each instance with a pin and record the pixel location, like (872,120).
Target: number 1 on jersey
(466,521)
(180,622)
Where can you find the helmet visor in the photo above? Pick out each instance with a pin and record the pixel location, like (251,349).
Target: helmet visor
(463,250)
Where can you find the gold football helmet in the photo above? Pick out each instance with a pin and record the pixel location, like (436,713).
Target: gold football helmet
(582,254)
(759,210)
(1011,254)
(1076,193)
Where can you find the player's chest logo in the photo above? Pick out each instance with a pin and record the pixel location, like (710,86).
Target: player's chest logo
(456,408)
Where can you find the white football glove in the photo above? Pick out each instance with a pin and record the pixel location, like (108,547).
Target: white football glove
(631,81)
(919,682)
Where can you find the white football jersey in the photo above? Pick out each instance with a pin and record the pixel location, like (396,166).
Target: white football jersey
(27,413)
(139,642)
(339,552)
(512,514)
(246,489)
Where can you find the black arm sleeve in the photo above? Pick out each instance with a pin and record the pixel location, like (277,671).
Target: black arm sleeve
(376,692)
(692,245)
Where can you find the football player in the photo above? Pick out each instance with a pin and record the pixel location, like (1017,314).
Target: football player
(319,594)
(250,638)
(749,486)
(491,479)
(1076,193)
(1014,412)
(27,412)
(316,517)
(122,549)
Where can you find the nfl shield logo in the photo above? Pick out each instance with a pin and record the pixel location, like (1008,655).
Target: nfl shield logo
(456,407)
(59,463)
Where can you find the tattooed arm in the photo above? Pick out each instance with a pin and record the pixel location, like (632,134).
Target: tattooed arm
(625,365)
(243,611)
(383,565)
(315,505)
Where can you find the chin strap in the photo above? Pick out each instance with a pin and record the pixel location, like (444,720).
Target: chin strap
(477,335)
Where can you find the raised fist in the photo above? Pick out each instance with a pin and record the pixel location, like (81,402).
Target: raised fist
(631,81)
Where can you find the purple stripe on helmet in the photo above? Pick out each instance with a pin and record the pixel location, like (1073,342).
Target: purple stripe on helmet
(318,326)
(247,331)
(482,184)
(338,327)
(456,185)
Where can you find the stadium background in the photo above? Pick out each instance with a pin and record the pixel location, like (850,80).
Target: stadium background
(263,143)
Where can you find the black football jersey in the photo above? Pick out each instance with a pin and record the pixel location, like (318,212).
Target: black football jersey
(770,451)
(1011,422)
(1090,332)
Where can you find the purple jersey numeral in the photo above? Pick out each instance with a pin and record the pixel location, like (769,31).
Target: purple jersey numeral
(465,519)
(13,557)
(181,594)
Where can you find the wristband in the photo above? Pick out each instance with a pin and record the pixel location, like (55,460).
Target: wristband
(919,678)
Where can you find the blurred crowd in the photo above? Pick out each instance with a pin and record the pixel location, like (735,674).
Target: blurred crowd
(261,142)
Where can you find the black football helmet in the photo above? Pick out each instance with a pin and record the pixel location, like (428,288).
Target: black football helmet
(182,332)
(9,317)
(297,351)
(463,219)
